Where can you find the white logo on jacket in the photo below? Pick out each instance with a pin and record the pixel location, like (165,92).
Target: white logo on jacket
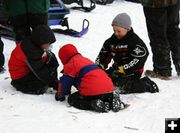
(139,51)
(131,64)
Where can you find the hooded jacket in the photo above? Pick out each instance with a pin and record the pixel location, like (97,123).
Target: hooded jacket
(129,52)
(82,73)
(28,56)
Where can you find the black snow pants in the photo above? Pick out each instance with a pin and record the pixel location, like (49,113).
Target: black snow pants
(164,35)
(30,84)
(84,102)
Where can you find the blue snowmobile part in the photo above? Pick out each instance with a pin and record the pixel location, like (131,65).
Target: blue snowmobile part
(56,13)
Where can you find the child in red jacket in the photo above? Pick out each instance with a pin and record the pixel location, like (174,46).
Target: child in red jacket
(31,66)
(95,88)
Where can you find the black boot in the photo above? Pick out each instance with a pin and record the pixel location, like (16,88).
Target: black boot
(100,106)
(151,86)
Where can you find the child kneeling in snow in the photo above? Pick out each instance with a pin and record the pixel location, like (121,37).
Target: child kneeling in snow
(32,67)
(129,54)
(95,88)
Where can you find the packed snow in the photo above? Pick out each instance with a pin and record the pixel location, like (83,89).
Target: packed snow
(23,113)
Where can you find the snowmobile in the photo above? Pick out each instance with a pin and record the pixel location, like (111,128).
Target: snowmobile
(56,12)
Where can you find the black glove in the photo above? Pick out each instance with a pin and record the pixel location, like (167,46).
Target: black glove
(59,97)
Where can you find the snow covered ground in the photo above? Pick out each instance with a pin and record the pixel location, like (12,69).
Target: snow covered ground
(22,113)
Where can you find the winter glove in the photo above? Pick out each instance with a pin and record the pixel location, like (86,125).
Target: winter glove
(114,74)
(59,97)
(121,69)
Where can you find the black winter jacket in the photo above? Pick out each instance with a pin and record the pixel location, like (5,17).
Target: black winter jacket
(129,52)
(34,61)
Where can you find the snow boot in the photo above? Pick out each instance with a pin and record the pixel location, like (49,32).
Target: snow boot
(151,86)
(153,74)
(100,106)
(116,104)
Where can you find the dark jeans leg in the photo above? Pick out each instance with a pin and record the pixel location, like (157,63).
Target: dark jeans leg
(21,27)
(173,34)
(84,102)
(36,19)
(156,20)
(37,12)
(30,85)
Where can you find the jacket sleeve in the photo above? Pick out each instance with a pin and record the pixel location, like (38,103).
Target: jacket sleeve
(36,64)
(41,71)
(104,57)
(66,83)
(138,56)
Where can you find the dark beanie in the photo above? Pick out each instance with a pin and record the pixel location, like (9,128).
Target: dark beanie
(122,20)
(42,34)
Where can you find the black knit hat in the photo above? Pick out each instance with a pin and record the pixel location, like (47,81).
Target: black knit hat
(42,34)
